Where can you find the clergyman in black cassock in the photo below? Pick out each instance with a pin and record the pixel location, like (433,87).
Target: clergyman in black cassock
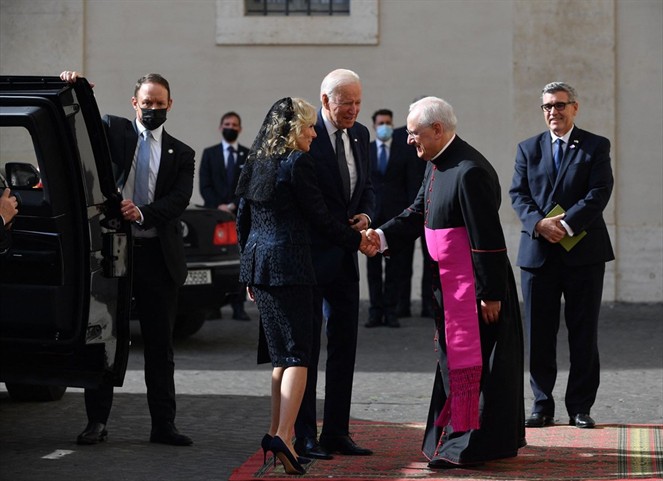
(477,407)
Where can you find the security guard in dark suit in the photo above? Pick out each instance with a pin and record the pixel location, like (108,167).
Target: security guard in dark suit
(156,177)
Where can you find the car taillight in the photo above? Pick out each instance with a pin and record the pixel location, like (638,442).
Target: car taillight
(225,234)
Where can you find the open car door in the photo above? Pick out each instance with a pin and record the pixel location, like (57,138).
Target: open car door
(65,281)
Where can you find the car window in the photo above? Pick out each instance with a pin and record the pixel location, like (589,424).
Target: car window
(17,147)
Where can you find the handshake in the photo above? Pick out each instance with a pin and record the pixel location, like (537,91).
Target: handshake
(370,242)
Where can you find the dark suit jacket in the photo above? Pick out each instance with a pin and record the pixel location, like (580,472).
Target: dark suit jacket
(396,189)
(172,192)
(582,187)
(274,235)
(5,239)
(328,258)
(213,177)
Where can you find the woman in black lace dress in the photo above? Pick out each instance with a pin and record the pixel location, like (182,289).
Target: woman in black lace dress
(280,203)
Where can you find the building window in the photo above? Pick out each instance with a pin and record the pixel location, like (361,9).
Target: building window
(287,22)
(297,7)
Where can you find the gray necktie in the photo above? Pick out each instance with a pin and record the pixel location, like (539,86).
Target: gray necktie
(142,181)
(342,164)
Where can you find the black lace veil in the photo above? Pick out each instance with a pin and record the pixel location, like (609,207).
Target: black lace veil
(258,177)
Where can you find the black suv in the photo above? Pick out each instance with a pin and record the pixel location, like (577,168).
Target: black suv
(65,280)
(65,283)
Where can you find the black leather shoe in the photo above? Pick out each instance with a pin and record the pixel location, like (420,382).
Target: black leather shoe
(241,315)
(582,421)
(93,433)
(539,420)
(344,445)
(310,448)
(168,434)
(373,322)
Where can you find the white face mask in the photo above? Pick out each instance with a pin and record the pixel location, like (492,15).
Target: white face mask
(384,132)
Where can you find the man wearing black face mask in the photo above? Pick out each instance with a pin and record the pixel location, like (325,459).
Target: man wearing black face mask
(155,175)
(220,167)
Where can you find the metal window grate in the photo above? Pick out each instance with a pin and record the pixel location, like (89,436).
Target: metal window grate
(297,7)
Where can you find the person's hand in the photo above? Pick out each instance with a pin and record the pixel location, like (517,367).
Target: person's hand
(370,244)
(129,211)
(71,76)
(551,228)
(249,294)
(367,246)
(490,311)
(227,208)
(8,207)
(359,222)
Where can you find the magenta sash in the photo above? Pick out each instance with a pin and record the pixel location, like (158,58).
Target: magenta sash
(451,249)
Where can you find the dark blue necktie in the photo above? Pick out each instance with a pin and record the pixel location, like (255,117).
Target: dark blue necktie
(382,159)
(558,155)
(342,164)
(230,168)
(142,179)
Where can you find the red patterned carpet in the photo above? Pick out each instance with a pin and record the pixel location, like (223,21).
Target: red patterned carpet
(562,453)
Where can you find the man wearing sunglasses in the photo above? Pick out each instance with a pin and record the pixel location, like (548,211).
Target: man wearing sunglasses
(561,185)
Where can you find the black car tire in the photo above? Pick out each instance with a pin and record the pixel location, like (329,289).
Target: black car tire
(188,324)
(35,393)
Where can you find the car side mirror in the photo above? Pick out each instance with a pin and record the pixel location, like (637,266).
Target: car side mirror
(21,175)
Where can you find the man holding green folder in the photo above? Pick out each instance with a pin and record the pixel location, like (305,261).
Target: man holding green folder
(561,185)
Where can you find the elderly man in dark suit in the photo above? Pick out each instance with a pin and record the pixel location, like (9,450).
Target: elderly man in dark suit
(340,152)
(395,182)
(156,178)
(569,168)
(220,167)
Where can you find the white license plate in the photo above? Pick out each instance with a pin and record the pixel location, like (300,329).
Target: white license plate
(199,277)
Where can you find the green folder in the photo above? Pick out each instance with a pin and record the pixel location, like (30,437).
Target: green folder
(567,242)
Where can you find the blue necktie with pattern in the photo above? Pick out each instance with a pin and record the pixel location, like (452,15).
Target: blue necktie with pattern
(558,155)
(142,180)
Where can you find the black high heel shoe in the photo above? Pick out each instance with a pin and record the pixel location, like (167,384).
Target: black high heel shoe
(266,442)
(281,451)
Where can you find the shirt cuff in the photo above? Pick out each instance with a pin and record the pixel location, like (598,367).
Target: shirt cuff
(142,219)
(567,228)
(383,241)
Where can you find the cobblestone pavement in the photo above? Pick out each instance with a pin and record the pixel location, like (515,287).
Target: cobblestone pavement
(223,399)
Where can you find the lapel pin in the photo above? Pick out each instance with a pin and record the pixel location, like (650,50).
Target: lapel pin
(170,151)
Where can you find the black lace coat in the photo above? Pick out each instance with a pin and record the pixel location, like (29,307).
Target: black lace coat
(274,234)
